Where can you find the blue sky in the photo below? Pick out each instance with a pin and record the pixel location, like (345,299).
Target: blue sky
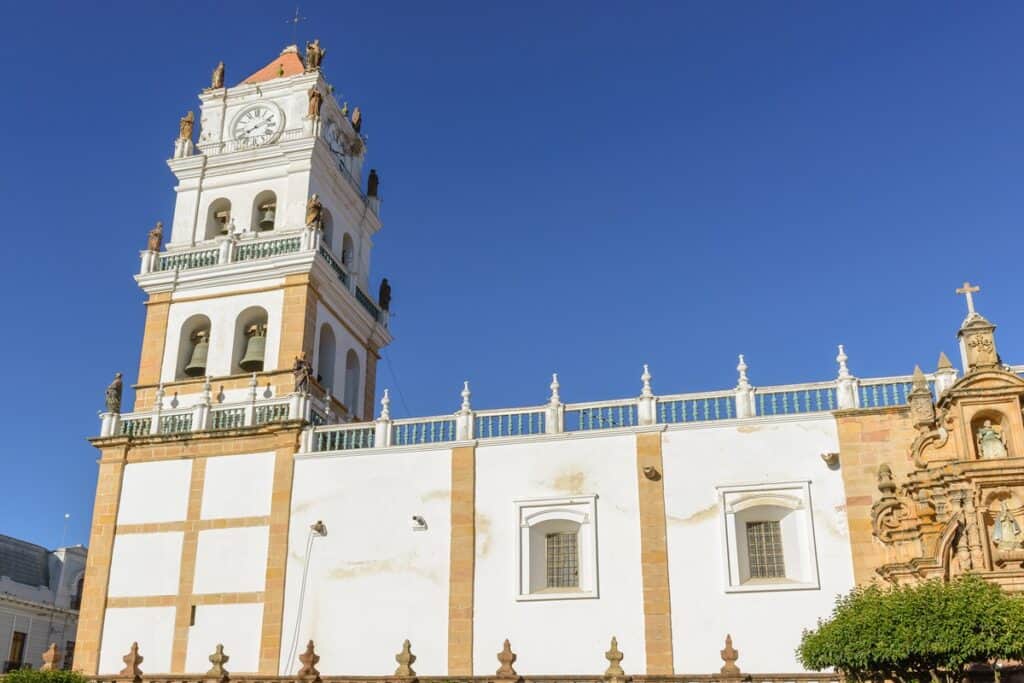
(573,186)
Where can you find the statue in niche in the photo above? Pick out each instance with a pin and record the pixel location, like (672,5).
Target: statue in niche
(185,126)
(156,237)
(991,442)
(314,212)
(218,76)
(113,394)
(302,371)
(1006,531)
(316,100)
(314,55)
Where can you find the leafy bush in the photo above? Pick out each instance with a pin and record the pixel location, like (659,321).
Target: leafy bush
(33,676)
(932,631)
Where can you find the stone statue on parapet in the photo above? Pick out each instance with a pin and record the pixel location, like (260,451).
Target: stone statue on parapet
(113,394)
(217,81)
(315,212)
(384,295)
(302,371)
(185,126)
(314,55)
(316,100)
(156,237)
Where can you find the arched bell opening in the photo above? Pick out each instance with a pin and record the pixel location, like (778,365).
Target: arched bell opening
(264,211)
(352,377)
(990,435)
(327,226)
(250,341)
(218,218)
(327,349)
(348,252)
(193,347)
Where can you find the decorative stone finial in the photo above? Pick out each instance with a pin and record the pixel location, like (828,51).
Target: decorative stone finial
(614,657)
(131,663)
(555,398)
(922,410)
(309,660)
(844,371)
(51,658)
(465,393)
(729,656)
(385,406)
(218,659)
(646,391)
(405,660)
(159,397)
(886,484)
(507,659)
(944,363)
(741,368)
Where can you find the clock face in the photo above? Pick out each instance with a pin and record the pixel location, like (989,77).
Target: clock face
(258,125)
(336,141)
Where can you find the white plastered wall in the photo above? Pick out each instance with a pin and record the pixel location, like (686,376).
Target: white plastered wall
(151,627)
(238,486)
(231,560)
(696,461)
(345,341)
(346,218)
(134,558)
(374,580)
(603,466)
(223,313)
(155,492)
(236,627)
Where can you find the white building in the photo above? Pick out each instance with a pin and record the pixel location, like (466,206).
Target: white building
(236,507)
(40,592)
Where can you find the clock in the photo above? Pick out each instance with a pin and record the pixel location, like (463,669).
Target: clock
(335,141)
(258,124)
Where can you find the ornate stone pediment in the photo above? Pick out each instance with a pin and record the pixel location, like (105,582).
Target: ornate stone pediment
(961,508)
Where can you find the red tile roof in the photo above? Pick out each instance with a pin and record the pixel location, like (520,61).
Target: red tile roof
(288,63)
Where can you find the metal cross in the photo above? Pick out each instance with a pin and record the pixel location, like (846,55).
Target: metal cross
(294,21)
(968,290)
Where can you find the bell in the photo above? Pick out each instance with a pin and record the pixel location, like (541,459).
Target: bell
(223,217)
(197,364)
(267,214)
(252,361)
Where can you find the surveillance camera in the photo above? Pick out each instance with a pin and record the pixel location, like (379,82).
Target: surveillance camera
(418,523)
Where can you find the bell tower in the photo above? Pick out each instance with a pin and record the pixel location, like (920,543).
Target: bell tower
(259,325)
(268,256)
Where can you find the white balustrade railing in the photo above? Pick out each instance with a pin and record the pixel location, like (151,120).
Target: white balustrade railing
(228,146)
(209,416)
(846,392)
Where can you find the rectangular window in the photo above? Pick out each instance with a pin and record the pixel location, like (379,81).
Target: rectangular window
(563,560)
(764,548)
(17,652)
(69,655)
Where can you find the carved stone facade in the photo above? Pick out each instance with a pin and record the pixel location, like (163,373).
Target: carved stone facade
(954,501)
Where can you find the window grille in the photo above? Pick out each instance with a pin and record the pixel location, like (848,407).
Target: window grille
(563,560)
(764,550)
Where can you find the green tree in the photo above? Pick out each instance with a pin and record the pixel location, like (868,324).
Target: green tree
(932,631)
(34,676)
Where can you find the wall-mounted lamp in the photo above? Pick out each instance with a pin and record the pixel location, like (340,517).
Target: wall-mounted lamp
(418,523)
(318,528)
(651,473)
(830,459)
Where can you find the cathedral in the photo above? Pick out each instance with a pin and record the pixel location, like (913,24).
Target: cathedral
(257,497)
